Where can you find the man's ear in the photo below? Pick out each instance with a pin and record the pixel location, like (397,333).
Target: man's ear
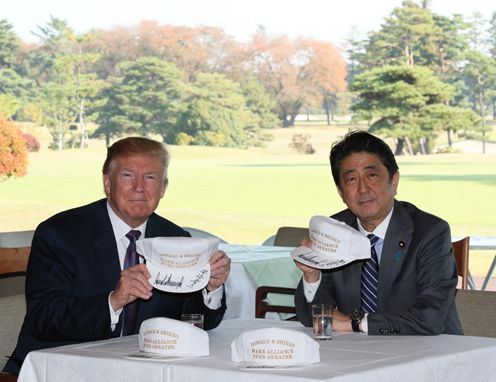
(106,183)
(164,188)
(395,181)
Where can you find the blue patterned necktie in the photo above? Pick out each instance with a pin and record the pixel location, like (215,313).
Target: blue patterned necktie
(130,312)
(370,277)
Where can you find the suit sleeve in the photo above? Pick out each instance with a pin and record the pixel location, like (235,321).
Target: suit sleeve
(323,295)
(59,306)
(433,289)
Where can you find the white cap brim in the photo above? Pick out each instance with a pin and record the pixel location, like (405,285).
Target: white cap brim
(334,244)
(178,264)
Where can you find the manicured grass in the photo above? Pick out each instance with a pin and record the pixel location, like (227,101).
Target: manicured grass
(244,195)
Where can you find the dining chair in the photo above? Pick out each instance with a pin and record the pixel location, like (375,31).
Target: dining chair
(269,241)
(16,239)
(196,232)
(262,306)
(477,312)
(290,236)
(13,265)
(461,251)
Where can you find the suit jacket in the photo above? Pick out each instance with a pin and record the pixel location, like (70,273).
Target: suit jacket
(417,278)
(73,266)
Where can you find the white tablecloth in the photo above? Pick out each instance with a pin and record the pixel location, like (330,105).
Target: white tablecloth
(240,286)
(348,357)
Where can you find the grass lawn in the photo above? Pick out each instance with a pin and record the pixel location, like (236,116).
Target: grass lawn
(244,195)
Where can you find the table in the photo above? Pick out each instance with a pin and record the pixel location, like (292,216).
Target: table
(251,267)
(348,357)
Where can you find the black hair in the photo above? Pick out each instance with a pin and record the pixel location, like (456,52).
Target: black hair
(358,141)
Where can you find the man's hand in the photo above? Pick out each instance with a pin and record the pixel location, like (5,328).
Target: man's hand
(220,265)
(311,275)
(341,322)
(132,284)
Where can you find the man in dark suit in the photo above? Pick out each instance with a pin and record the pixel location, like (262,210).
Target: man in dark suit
(417,277)
(76,287)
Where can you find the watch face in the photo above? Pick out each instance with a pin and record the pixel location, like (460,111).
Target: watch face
(356,315)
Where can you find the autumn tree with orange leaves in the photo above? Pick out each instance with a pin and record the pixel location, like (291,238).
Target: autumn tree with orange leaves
(13,150)
(297,73)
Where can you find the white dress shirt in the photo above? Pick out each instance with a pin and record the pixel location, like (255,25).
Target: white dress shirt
(213,299)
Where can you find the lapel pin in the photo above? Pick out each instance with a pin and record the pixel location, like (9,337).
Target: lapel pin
(401,244)
(397,255)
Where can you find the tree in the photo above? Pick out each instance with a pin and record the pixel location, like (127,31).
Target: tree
(296,73)
(407,103)
(217,115)
(492,51)
(406,37)
(149,98)
(480,76)
(9,43)
(11,83)
(8,105)
(259,102)
(68,90)
(13,150)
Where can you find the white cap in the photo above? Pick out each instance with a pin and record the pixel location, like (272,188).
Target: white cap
(173,338)
(334,244)
(178,264)
(275,346)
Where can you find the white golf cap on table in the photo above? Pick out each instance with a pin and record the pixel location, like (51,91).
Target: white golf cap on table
(178,264)
(174,338)
(334,244)
(274,347)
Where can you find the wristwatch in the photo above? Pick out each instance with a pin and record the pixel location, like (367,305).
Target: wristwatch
(356,317)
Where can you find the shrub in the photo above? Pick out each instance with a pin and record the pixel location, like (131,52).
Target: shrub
(301,143)
(13,150)
(31,142)
(183,139)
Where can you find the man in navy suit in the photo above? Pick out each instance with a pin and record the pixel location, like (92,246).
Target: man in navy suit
(76,287)
(417,274)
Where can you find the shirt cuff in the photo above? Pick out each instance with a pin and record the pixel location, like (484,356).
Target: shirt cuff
(114,315)
(364,324)
(310,289)
(213,300)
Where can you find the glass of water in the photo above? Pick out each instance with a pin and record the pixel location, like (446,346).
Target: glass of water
(322,321)
(193,318)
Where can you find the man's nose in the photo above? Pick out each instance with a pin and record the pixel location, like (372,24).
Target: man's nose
(139,183)
(362,185)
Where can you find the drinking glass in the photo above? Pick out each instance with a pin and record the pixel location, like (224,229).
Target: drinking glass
(322,321)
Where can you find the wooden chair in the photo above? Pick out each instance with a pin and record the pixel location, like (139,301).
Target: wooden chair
(290,236)
(13,265)
(262,306)
(461,252)
(477,312)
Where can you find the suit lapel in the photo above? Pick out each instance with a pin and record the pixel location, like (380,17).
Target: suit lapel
(398,239)
(105,245)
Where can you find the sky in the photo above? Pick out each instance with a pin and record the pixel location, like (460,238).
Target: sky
(327,20)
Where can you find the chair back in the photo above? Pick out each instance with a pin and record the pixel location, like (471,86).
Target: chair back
(290,236)
(262,306)
(477,312)
(269,241)
(16,239)
(461,252)
(13,265)
(195,232)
